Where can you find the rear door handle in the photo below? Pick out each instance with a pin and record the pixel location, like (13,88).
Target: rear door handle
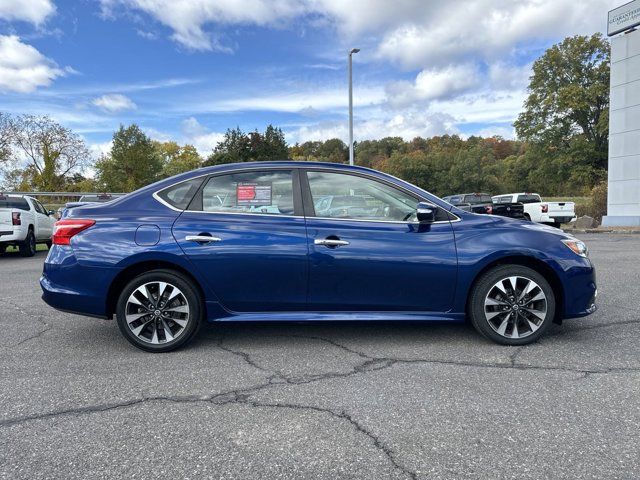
(202,238)
(330,242)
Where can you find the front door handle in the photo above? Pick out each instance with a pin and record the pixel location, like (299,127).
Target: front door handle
(202,238)
(330,242)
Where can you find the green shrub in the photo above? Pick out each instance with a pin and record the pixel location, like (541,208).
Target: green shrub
(599,201)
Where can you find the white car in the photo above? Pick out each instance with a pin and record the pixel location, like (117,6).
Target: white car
(555,213)
(24,222)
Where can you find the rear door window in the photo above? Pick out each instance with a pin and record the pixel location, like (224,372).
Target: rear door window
(268,192)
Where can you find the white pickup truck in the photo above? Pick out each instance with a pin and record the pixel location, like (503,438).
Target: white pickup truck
(554,213)
(24,222)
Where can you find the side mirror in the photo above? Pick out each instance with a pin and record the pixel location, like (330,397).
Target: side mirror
(51,212)
(426,212)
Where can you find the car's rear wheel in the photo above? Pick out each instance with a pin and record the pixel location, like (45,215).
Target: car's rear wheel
(28,247)
(512,305)
(159,311)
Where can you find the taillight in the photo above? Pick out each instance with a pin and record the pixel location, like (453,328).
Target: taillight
(545,208)
(15,218)
(489,210)
(64,229)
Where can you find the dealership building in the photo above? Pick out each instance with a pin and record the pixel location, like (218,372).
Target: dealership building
(623,204)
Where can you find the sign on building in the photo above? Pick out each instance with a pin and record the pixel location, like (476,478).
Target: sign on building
(624,17)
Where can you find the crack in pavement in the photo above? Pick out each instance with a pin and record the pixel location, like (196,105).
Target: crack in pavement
(377,442)
(239,397)
(37,317)
(243,395)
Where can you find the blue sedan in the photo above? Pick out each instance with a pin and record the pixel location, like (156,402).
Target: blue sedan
(248,242)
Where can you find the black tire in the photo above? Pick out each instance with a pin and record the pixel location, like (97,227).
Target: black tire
(28,247)
(3,248)
(485,285)
(527,217)
(49,243)
(190,294)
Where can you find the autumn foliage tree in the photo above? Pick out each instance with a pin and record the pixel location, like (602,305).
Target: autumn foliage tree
(52,151)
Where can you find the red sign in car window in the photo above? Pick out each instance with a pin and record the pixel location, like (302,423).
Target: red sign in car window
(253,194)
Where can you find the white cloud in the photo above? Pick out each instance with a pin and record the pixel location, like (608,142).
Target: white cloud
(498,131)
(407,125)
(23,68)
(114,102)
(416,33)
(32,11)
(200,137)
(319,99)
(187,19)
(433,84)
(99,149)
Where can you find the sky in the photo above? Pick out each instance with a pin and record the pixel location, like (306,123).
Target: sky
(186,70)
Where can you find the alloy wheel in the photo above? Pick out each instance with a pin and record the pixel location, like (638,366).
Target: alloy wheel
(515,307)
(157,312)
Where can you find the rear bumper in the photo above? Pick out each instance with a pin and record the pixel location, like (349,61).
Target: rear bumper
(560,219)
(73,287)
(555,218)
(11,236)
(70,301)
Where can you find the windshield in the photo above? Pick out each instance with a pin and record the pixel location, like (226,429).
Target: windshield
(349,201)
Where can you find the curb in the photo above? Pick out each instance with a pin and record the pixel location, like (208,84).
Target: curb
(600,230)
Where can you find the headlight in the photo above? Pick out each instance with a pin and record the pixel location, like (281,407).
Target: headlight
(577,247)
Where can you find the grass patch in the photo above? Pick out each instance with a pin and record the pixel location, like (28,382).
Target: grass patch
(40,247)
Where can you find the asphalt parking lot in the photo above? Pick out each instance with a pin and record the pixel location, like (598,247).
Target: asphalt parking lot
(323,400)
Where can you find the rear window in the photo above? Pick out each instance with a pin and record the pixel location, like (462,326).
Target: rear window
(96,198)
(529,198)
(14,202)
(477,199)
(180,195)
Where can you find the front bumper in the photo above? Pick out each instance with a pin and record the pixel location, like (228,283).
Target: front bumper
(581,291)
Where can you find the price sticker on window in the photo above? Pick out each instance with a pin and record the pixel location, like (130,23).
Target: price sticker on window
(253,194)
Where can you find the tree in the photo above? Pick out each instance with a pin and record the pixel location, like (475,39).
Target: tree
(333,150)
(176,159)
(569,99)
(6,137)
(51,149)
(233,148)
(237,146)
(132,163)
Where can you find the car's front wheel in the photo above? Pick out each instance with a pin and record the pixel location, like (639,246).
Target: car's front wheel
(159,311)
(512,305)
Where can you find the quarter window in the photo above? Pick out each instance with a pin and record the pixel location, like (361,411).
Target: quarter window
(180,195)
(337,195)
(261,192)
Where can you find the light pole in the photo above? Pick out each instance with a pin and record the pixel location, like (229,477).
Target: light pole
(351,52)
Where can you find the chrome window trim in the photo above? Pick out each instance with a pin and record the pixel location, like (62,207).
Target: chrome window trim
(313,168)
